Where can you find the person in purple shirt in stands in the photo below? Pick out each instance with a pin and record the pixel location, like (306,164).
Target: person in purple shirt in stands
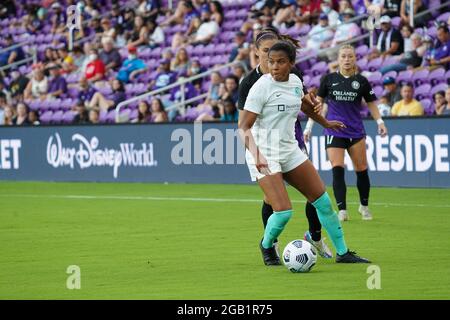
(57,87)
(164,76)
(99,101)
(343,91)
(441,55)
(87,91)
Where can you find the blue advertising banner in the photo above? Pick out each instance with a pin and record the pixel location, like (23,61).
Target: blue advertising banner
(415,154)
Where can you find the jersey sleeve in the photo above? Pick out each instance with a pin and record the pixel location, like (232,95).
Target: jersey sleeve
(368,93)
(323,88)
(298,73)
(256,98)
(243,92)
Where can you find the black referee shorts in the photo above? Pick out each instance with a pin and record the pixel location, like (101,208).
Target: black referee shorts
(341,143)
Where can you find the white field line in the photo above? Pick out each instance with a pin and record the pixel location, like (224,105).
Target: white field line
(236,200)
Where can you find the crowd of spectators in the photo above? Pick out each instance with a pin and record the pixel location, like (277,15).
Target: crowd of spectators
(110,60)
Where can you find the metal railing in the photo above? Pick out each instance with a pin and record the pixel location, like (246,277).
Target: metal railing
(180,83)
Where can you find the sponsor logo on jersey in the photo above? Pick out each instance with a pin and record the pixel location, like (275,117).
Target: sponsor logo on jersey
(355,85)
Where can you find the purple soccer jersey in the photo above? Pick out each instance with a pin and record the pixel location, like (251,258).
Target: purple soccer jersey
(344,99)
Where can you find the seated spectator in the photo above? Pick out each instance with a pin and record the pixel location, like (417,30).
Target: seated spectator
(216,12)
(57,87)
(8,8)
(213,97)
(180,64)
(4,91)
(441,56)
(307,13)
(374,6)
(406,32)
(95,69)
(139,35)
(410,59)
(82,116)
(9,116)
(206,30)
(100,102)
(391,91)
(3,105)
(419,6)
(37,88)
(94,116)
(440,103)
(391,8)
(110,56)
(11,55)
(320,37)
(390,40)
(384,107)
(78,57)
(58,18)
(108,30)
(31,21)
(66,61)
(239,72)
(326,7)
(228,111)
(158,112)
(408,106)
(149,9)
(131,67)
(164,76)
(230,89)
(195,69)
(144,113)
(183,14)
(22,115)
(443,107)
(50,56)
(156,35)
(33,118)
(86,92)
(241,51)
(346,30)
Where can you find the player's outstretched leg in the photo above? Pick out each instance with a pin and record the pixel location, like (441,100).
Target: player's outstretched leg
(266,212)
(306,180)
(314,234)
(275,192)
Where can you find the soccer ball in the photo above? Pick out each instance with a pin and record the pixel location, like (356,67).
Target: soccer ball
(299,256)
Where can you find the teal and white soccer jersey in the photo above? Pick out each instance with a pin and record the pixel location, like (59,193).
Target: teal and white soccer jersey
(277,105)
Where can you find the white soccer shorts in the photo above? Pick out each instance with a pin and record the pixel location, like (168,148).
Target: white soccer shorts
(288,163)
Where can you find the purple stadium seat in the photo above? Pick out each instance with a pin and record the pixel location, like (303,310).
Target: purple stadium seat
(437,76)
(54,104)
(68,117)
(375,64)
(390,60)
(439,87)
(319,68)
(444,17)
(420,77)
(396,21)
(362,64)
(57,117)
(427,105)
(378,90)
(315,82)
(46,117)
(375,78)
(392,74)
(103,116)
(111,116)
(423,92)
(361,51)
(404,77)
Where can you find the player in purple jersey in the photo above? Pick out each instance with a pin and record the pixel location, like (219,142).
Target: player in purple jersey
(263,42)
(342,92)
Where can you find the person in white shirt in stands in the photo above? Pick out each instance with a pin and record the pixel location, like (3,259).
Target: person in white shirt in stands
(319,37)
(327,8)
(206,29)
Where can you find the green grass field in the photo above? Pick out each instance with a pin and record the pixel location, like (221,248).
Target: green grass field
(154,241)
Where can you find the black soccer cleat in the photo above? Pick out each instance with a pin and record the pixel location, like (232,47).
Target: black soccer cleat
(270,256)
(350,257)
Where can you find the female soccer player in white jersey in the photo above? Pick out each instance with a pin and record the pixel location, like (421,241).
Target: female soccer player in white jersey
(263,42)
(343,91)
(267,128)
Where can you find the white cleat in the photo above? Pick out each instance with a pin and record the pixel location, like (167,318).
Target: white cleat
(343,215)
(322,249)
(365,212)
